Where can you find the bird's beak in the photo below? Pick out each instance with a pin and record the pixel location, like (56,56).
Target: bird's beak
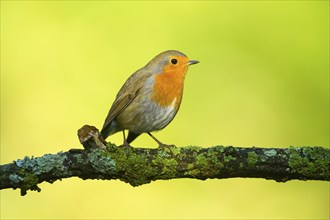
(191,62)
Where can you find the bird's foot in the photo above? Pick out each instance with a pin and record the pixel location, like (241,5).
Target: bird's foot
(127,145)
(165,147)
(127,148)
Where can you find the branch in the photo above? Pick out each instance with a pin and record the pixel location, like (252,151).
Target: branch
(143,165)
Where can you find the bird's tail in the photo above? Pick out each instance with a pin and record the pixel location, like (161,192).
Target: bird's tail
(104,133)
(108,130)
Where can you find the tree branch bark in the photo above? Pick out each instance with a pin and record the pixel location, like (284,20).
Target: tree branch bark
(143,165)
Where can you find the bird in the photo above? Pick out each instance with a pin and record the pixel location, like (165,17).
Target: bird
(149,99)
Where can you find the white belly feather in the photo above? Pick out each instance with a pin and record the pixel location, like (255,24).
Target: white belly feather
(163,116)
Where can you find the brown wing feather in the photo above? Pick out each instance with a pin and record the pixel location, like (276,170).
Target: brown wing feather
(125,96)
(118,106)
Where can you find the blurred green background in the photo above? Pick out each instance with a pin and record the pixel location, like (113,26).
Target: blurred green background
(263,80)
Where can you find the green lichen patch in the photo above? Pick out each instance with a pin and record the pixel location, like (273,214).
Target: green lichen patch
(194,148)
(43,164)
(134,166)
(192,173)
(252,158)
(78,159)
(190,166)
(175,150)
(201,159)
(27,176)
(228,158)
(28,182)
(213,156)
(270,153)
(219,148)
(111,147)
(208,163)
(102,161)
(309,161)
(167,166)
(13,177)
(49,162)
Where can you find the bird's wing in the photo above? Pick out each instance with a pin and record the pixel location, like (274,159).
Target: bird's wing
(120,105)
(125,97)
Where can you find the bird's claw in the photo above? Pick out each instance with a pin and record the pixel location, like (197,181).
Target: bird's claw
(165,146)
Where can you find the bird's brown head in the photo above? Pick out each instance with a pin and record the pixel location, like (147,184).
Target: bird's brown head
(171,62)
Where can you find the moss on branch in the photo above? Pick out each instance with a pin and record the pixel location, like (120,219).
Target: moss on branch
(106,161)
(142,165)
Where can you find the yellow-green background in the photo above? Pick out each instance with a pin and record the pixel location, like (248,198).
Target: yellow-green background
(263,80)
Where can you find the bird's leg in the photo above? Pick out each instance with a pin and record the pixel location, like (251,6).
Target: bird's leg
(126,143)
(158,142)
(161,145)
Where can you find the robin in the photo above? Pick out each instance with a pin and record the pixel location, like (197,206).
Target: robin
(150,97)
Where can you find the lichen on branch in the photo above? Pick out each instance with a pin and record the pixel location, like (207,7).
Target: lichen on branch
(106,161)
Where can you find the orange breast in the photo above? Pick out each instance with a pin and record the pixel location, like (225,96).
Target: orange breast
(168,86)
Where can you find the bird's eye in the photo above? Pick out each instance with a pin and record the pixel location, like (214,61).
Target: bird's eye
(174,61)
